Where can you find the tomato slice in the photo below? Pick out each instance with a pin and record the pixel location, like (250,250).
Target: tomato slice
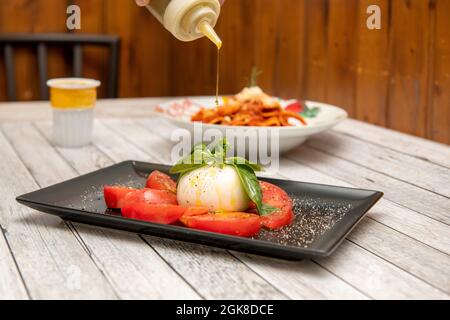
(114,195)
(158,213)
(232,223)
(195,211)
(161,181)
(151,196)
(278,198)
(295,107)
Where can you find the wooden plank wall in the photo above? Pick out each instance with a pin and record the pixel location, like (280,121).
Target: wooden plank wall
(398,77)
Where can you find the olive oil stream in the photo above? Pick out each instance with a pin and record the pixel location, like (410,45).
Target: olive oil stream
(209,32)
(217,76)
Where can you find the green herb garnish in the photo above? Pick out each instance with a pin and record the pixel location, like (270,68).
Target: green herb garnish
(254,77)
(203,155)
(310,112)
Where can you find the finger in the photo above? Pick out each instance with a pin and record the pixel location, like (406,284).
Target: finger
(142,3)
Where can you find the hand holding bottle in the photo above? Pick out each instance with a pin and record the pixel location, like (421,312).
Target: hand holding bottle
(143,3)
(187,20)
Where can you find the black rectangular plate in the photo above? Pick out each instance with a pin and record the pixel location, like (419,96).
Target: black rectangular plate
(324,214)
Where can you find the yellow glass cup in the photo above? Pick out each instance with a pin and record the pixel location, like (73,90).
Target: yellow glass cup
(73,101)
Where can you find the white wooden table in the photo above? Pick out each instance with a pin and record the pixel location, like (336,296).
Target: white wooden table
(400,250)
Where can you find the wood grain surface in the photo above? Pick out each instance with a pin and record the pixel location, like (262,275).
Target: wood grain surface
(397,77)
(400,250)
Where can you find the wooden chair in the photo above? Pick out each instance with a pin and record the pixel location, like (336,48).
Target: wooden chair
(74,41)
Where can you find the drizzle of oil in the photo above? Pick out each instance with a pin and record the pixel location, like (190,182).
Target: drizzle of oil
(218,76)
(213,172)
(233,199)
(220,206)
(198,195)
(195,183)
(209,32)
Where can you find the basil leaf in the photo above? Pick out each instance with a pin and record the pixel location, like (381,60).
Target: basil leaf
(184,168)
(201,148)
(219,151)
(253,188)
(199,157)
(242,161)
(267,209)
(195,160)
(250,184)
(254,77)
(221,147)
(310,112)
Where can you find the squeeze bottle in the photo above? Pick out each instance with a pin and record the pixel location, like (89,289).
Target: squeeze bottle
(188,20)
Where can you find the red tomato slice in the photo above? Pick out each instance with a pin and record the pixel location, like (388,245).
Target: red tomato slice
(158,213)
(296,107)
(114,195)
(278,198)
(150,196)
(195,211)
(232,223)
(161,181)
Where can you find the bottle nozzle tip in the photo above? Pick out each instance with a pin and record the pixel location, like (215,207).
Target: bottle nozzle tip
(209,31)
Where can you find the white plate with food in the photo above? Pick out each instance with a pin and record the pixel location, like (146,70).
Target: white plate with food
(253,111)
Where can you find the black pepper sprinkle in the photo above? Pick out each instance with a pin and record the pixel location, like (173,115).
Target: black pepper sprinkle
(313,217)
